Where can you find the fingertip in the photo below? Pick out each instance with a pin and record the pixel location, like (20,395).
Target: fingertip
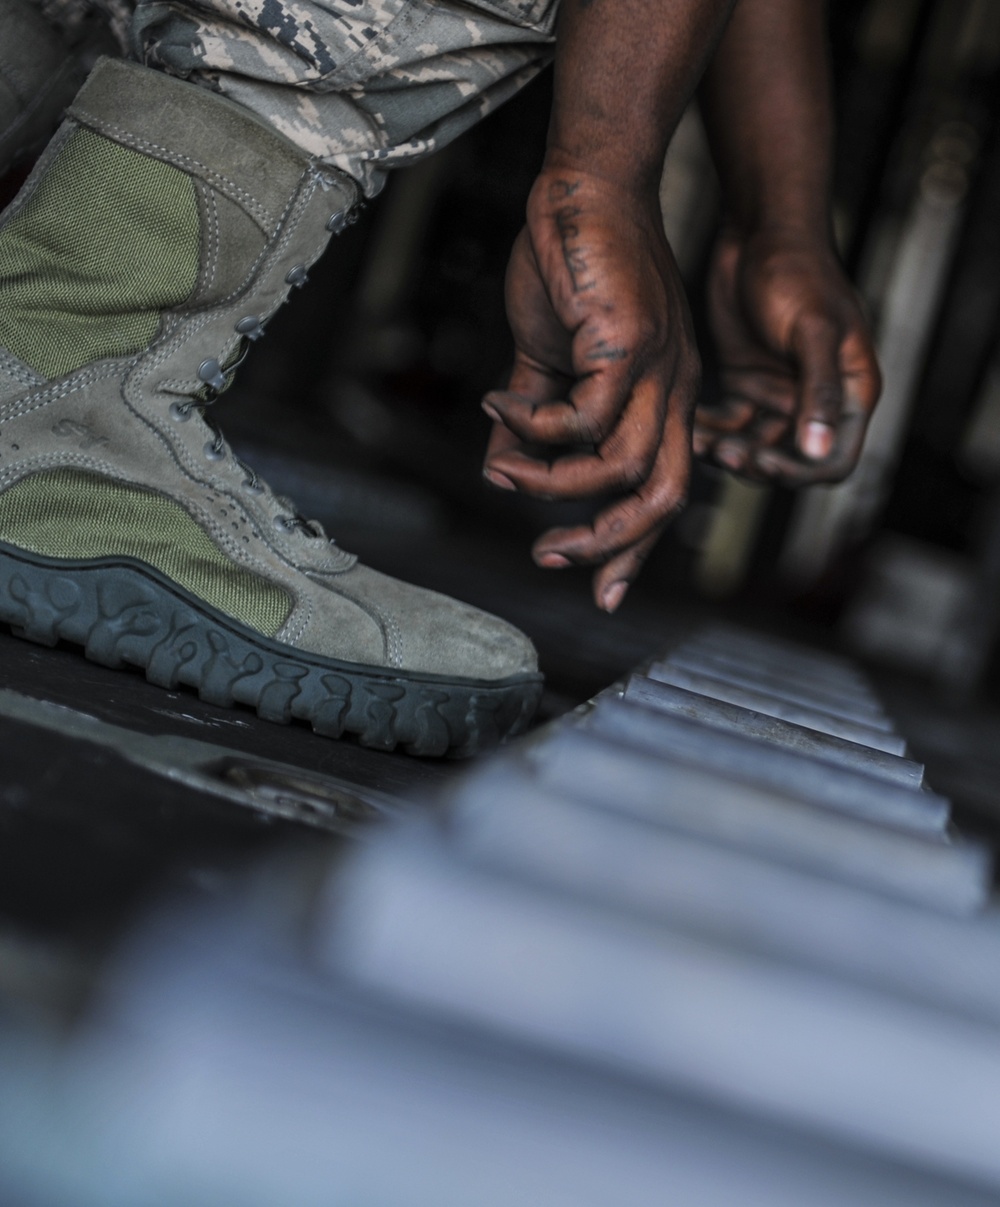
(730,456)
(551,560)
(612,596)
(495,478)
(816,441)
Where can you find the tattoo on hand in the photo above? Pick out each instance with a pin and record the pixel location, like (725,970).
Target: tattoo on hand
(603,351)
(559,190)
(569,232)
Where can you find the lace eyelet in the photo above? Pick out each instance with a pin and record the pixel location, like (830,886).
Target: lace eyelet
(214,452)
(210,372)
(282,523)
(250,327)
(254,488)
(180,411)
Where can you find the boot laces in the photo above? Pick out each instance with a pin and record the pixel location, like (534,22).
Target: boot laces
(217,380)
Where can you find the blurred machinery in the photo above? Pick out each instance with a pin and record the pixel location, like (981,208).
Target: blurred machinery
(673,949)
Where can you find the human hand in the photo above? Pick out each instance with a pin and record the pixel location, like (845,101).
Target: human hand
(799,374)
(605,375)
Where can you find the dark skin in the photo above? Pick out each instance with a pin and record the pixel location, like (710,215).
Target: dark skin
(606,369)
(799,372)
(602,396)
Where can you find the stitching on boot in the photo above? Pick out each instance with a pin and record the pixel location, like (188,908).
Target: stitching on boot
(210,240)
(207,523)
(373,614)
(32,402)
(297,622)
(19,371)
(186,162)
(100,465)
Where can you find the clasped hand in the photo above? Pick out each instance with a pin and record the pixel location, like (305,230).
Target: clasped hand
(798,372)
(605,376)
(601,399)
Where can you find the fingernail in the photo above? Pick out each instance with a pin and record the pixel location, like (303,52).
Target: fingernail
(817,440)
(497,479)
(553,561)
(613,595)
(730,457)
(493,413)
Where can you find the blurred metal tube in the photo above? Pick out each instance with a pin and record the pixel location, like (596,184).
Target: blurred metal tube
(943,875)
(871,715)
(412,923)
(732,895)
(732,757)
(783,654)
(857,702)
(732,718)
(797,714)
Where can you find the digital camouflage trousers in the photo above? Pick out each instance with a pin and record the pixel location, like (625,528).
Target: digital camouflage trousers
(364,85)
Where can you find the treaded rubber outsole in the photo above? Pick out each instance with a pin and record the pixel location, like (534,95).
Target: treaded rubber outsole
(125,613)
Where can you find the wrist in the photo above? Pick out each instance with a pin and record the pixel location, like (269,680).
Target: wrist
(814,237)
(783,211)
(563,180)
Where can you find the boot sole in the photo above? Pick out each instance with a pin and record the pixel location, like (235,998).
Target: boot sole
(125,613)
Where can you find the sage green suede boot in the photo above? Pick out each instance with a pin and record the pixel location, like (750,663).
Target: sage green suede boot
(161,229)
(40,72)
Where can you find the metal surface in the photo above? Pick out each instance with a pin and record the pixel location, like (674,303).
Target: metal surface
(859,706)
(745,760)
(792,669)
(773,706)
(694,800)
(781,655)
(267,786)
(819,1052)
(730,893)
(227,1074)
(720,715)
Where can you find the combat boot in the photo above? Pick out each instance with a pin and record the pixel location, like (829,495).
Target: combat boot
(157,235)
(41,70)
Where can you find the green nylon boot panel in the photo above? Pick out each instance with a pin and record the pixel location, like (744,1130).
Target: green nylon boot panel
(108,240)
(74,515)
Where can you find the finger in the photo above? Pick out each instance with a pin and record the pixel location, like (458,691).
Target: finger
(729,415)
(630,521)
(623,461)
(862,386)
(702,440)
(816,347)
(791,470)
(531,384)
(531,381)
(769,386)
(736,451)
(860,369)
(586,414)
(501,441)
(612,580)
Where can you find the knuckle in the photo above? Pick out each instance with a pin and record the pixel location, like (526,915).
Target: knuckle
(591,428)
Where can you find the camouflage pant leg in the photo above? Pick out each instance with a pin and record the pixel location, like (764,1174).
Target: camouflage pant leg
(365,85)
